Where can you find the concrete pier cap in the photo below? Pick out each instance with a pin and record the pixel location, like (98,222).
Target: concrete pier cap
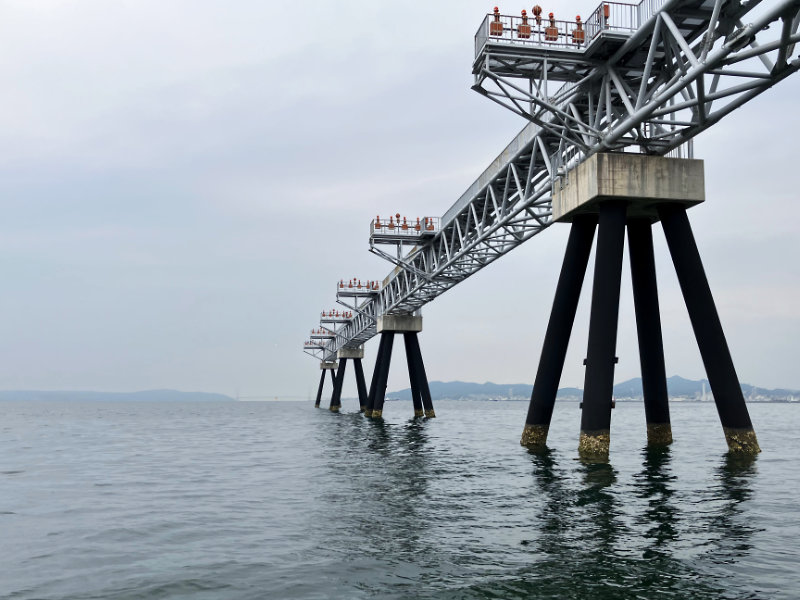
(400,323)
(350,352)
(326,365)
(641,180)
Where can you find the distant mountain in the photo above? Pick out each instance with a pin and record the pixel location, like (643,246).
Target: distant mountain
(145,396)
(677,387)
(467,390)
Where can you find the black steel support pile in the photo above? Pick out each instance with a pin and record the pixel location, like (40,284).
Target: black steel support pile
(338,383)
(420,392)
(600,357)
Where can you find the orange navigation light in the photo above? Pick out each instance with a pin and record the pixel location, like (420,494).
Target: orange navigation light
(537,14)
(377,221)
(578,35)
(524,30)
(417,227)
(551,33)
(391,222)
(405,225)
(496,27)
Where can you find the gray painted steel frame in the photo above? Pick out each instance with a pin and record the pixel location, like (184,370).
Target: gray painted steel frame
(687,65)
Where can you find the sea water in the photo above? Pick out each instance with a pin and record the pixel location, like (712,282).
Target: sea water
(280,500)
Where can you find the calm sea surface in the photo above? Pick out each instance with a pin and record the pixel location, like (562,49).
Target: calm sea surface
(279,500)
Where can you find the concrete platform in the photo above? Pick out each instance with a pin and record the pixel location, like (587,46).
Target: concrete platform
(350,353)
(399,323)
(643,181)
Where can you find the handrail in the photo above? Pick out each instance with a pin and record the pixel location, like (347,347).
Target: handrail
(608,16)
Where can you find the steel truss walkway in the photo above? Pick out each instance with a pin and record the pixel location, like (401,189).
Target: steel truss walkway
(642,78)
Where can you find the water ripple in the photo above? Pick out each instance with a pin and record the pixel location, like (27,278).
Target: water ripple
(255,500)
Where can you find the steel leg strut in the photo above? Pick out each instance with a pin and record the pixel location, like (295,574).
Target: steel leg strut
(598,386)
(336,398)
(559,329)
(413,378)
(707,327)
(648,328)
(374,382)
(360,384)
(382,373)
(412,347)
(319,390)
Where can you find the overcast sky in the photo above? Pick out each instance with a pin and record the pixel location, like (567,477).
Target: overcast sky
(183,182)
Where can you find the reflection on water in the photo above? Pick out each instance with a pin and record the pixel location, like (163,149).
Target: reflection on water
(593,538)
(311,504)
(659,517)
(733,532)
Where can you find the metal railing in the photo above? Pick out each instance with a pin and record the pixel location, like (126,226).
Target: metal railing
(608,16)
(402,226)
(335,316)
(612,16)
(685,150)
(358,286)
(647,8)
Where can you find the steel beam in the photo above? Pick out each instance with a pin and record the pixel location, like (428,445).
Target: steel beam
(648,327)
(412,348)
(319,390)
(413,378)
(382,374)
(707,327)
(373,386)
(559,329)
(360,384)
(338,382)
(598,386)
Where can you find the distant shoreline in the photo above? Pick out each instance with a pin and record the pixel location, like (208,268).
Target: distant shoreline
(577,400)
(678,388)
(86,396)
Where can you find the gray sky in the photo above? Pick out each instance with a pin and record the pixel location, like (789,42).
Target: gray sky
(183,182)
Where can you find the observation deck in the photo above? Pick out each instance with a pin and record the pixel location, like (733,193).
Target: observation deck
(336,316)
(322,334)
(356,288)
(313,346)
(643,78)
(508,44)
(397,229)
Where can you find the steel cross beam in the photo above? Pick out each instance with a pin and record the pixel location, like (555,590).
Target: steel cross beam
(649,90)
(672,70)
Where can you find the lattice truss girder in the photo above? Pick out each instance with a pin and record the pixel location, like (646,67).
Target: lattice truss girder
(513,206)
(683,70)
